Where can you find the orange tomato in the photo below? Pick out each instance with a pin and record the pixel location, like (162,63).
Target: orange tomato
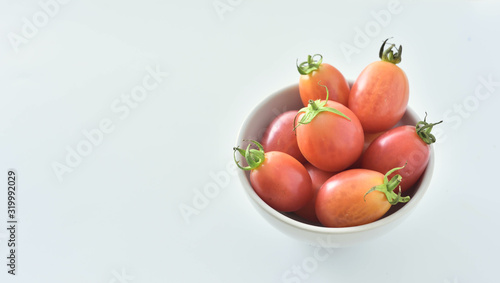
(344,200)
(380,94)
(329,141)
(314,73)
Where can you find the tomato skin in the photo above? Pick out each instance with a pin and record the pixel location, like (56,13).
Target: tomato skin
(331,142)
(318,177)
(338,87)
(369,138)
(341,200)
(395,148)
(280,136)
(379,96)
(282,182)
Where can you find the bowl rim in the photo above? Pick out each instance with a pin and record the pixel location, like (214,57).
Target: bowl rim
(404,210)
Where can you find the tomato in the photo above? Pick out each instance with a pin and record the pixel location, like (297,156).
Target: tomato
(356,197)
(314,73)
(369,138)
(408,145)
(318,178)
(330,142)
(380,94)
(280,136)
(278,179)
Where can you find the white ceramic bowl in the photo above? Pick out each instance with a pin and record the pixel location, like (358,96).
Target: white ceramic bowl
(254,127)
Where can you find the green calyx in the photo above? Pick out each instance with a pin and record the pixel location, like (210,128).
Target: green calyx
(390,56)
(424,130)
(388,188)
(314,108)
(307,67)
(254,157)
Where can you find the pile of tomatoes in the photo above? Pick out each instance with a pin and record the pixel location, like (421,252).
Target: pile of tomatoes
(341,161)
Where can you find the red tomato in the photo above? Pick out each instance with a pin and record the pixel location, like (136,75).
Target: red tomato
(369,138)
(380,94)
(330,141)
(404,144)
(346,199)
(318,178)
(280,136)
(314,73)
(278,179)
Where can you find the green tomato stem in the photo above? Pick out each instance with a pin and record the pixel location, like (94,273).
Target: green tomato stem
(254,157)
(388,55)
(314,108)
(307,67)
(388,188)
(424,130)
(313,104)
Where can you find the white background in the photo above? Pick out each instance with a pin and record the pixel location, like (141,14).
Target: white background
(115,214)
